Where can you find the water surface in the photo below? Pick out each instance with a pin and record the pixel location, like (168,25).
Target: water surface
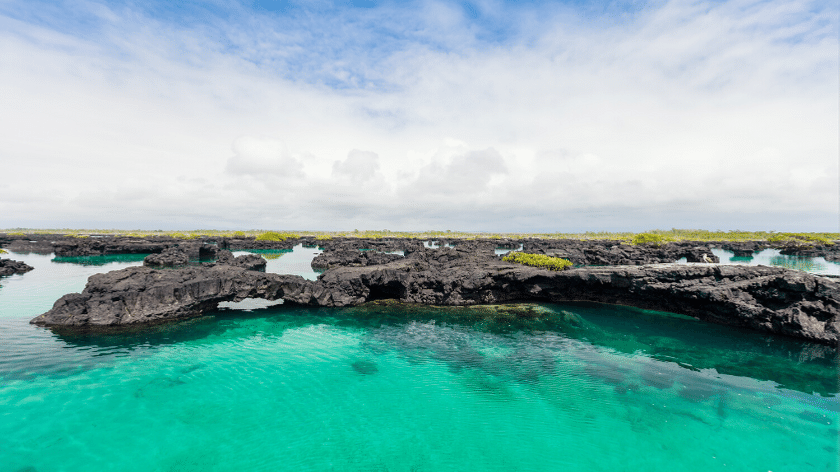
(774,258)
(406,388)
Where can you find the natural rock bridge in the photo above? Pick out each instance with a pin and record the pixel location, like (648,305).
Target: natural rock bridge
(768,299)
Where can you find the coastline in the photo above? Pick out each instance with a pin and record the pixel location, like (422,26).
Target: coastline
(773,300)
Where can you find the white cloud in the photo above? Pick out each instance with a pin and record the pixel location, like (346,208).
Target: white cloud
(688,112)
(360,166)
(467,175)
(263,156)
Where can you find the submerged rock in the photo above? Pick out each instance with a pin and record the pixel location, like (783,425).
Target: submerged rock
(365,367)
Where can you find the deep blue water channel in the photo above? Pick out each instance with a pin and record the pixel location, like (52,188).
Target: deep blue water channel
(574,387)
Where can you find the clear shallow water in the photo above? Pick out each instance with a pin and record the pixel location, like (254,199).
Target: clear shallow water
(296,261)
(773,257)
(500,251)
(570,387)
(436,244)
(35,292)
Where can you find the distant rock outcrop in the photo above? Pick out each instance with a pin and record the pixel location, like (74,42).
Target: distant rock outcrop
(25,246)
(98,247)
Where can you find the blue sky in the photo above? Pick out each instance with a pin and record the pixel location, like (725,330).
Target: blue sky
(486,115)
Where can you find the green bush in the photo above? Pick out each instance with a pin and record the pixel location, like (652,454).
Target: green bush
(239,234)
(800,238)
(185,235)
(538,260)
(648,238)
(274,236)
(3,251)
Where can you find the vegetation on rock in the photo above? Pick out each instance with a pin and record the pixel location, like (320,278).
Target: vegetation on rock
(538,260)
(274,236)
(630,237)
(648,238)
(801,238)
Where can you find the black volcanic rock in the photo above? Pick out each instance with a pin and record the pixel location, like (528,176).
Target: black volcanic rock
(234,244)
(769,299)
(742,248)
(381,245)
(142,295)
(76,247)
(829,252)
(611,252)
(197,249)
(246,261)
(351,258)
(170,257)
(10,267)
(773,300)
(26,246)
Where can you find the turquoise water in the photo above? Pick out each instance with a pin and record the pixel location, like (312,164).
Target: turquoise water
(774,258)
(568,387)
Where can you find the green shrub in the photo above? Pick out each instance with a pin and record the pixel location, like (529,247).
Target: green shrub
(3,251)
(323,237)
(239,234)
(274,236)
(185,235)
(800,238)
(538,260)
(648,238)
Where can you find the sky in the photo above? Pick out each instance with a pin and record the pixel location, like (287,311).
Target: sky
(490,115)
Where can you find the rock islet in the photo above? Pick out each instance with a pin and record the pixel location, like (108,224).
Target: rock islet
(12,267)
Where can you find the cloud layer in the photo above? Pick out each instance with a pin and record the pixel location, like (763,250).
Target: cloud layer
(502,118)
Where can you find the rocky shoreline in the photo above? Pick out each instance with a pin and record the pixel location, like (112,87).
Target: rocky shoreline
(767,299)
(580,252)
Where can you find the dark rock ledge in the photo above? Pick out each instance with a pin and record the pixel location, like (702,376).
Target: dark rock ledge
(768,299)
